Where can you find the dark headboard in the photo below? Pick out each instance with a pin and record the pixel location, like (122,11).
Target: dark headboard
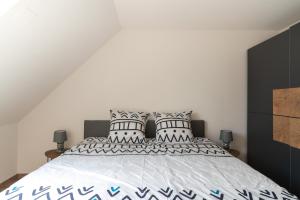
(100,128)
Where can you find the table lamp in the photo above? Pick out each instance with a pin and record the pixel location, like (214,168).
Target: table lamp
(60,136)
(226,137)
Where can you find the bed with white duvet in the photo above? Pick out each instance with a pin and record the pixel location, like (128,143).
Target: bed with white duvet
(96,169)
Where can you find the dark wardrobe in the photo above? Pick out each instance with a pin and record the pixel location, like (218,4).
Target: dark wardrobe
(273,64)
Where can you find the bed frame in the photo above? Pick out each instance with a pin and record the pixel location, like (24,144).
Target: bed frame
(100,128)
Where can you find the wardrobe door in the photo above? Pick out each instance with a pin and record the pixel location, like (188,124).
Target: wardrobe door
(264,154)
(268,65)
(295,55)
(295,171)
(268,69)
(295,82)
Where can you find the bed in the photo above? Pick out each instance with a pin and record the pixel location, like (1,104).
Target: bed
(95,169)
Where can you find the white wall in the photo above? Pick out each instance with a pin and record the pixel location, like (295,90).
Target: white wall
(149,71)
(42,42)
(8,151)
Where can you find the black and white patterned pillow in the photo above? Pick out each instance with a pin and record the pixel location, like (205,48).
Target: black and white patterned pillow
(127,127)
(173,127)
(92,140)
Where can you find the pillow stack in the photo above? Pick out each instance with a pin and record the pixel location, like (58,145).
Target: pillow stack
(129,127)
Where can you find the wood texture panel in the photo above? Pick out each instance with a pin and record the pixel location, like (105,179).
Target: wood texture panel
(294,132)
(281,129)
(286,116)
(286,102)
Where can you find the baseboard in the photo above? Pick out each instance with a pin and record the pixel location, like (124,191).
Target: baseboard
(11,181)
(19,176)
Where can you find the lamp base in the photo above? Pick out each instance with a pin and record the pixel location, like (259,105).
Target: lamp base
(226,146)
(60,147)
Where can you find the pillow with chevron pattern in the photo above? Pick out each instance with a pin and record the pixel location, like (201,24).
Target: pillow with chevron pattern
(127,127)
(173,127)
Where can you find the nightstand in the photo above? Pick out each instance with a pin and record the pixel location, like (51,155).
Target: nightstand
(53,153)
(234,152)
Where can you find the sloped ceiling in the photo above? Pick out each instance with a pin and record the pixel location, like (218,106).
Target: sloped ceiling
(41,42)
(208,14)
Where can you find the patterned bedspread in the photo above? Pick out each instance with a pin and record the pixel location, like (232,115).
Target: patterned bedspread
(100,146)
(95,169)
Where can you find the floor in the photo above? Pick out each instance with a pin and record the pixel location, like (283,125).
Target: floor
(11,181)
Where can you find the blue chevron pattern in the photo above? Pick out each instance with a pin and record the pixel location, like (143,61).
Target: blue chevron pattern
(94,193)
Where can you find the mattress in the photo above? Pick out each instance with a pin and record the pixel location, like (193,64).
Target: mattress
(96,169)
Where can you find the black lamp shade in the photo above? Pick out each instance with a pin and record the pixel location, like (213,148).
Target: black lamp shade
(60,136)
(226,136)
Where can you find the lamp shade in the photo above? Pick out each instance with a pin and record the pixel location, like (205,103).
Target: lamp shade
(60,136)
(226,136)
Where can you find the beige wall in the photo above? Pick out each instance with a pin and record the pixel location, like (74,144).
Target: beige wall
(8,151)
(43,43)
(149,71)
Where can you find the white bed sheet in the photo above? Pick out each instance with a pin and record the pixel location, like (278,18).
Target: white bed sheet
(151,177)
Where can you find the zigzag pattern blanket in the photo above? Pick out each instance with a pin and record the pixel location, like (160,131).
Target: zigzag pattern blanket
(170,173)
(101,146)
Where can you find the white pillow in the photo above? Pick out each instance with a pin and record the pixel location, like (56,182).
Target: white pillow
(127,127)
(173,127)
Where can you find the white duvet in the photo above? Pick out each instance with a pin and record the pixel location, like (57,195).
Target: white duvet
(129,175)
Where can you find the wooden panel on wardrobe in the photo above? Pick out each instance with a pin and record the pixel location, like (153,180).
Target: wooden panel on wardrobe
(287,130)
(286,116)
(286,102)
